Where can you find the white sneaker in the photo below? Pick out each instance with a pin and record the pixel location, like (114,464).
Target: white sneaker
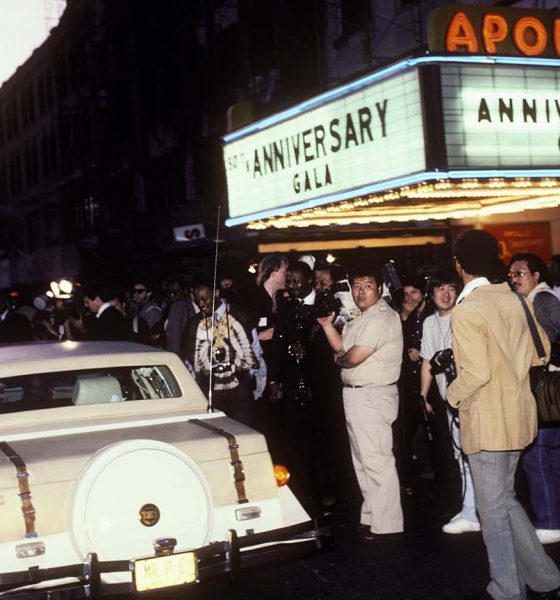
(548,536)
(459,524)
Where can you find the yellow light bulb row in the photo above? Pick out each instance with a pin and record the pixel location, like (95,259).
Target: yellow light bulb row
(481,198)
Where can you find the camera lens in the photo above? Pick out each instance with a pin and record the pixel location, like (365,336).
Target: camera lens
(220,354)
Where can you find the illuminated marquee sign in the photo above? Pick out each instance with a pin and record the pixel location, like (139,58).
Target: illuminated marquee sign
(348,139)
(473,29)
(501,116)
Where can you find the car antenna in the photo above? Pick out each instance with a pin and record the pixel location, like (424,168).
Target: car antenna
(214,281)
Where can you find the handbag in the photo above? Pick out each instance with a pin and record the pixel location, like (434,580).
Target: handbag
(545,384)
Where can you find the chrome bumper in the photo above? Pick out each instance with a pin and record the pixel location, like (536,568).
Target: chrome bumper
(232,557)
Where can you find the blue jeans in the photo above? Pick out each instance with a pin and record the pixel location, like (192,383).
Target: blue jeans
(515,555)
(541,463)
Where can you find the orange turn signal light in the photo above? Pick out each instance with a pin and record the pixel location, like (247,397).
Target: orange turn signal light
(281,474)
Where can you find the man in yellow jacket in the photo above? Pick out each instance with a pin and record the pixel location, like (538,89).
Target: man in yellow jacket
(493,351)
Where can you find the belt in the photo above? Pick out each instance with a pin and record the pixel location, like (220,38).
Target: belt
(349,385)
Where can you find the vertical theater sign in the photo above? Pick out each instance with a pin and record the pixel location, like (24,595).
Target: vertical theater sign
(472,128)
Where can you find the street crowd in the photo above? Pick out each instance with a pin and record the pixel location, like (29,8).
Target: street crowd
(350,375)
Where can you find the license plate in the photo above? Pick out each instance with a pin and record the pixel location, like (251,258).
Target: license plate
(164,571)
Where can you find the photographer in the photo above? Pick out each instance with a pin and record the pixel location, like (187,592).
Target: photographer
(294,371)
(369,353)
(437,360)
(219,343)
(339,481)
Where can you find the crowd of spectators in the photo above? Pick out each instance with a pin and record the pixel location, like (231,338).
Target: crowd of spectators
(346,373)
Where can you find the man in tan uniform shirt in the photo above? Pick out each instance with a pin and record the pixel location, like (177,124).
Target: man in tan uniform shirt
(369,352)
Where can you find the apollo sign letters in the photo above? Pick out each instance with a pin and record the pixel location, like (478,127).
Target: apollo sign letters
(337,146)
(501,116)
(473,29)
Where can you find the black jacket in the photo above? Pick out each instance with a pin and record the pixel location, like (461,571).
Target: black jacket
(111,325)
(15,328)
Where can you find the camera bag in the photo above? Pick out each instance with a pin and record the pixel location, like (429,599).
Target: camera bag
(545,384)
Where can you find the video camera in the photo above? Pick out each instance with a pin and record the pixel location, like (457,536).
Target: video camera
(337,299)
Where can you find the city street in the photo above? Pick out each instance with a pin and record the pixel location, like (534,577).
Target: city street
(238,234)
(425,564)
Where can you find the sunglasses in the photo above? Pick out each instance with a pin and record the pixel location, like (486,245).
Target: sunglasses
(514,274)
(139,290)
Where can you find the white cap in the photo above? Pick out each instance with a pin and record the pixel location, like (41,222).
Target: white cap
(308,259)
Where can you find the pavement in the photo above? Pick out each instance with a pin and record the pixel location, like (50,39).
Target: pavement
(422,564)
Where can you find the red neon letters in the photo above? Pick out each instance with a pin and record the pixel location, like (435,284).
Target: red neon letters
(529,34)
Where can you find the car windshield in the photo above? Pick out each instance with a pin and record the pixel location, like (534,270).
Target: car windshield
(91,386)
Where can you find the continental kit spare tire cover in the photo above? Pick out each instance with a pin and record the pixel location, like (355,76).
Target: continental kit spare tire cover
(134,492)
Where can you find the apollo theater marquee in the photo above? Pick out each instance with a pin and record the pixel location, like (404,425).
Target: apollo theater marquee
(470,128)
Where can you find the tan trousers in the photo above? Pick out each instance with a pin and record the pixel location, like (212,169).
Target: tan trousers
(370,411)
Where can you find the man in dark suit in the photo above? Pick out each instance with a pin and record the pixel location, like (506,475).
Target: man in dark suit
(109,322)
(13,326)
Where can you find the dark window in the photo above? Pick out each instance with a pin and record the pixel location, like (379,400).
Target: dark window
(31,164)
(62,74)
(76,64)
(354,15)
(27,166)
(27,105)
(2,130)
(35,230)
(53,153)
(3,182)
(86,215)
(45,157)
(54,224)
(15,176)
(30,93)
(23,109)
(120,41)
(65,143)
(49,74)
(41,99)
(12,119)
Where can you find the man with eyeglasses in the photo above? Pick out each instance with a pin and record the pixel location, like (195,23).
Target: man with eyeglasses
(530,277)
(493,351)
(145,314)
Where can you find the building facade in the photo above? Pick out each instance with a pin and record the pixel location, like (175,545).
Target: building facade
(110,133)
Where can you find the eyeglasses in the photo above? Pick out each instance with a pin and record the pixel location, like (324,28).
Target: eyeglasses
(517,274)
(139,290)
